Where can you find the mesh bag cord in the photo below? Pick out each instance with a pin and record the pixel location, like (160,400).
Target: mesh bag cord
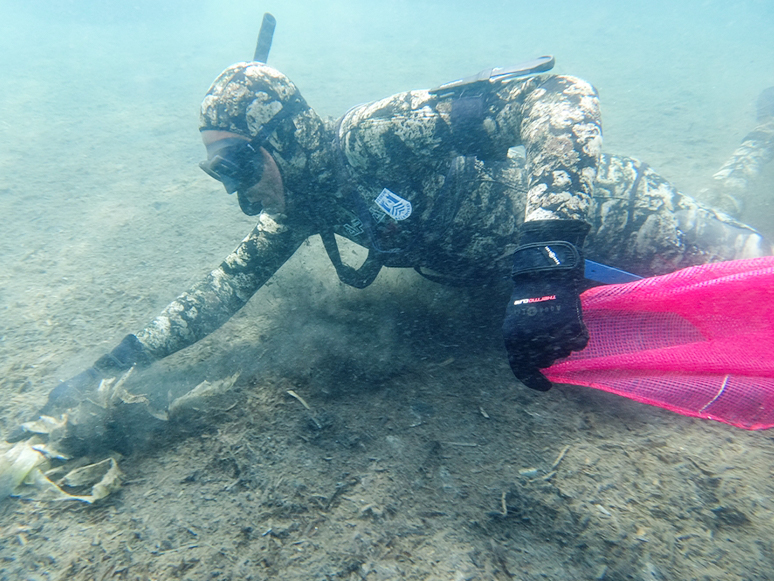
(699,342)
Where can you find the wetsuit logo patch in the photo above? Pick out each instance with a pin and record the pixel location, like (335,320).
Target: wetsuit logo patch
(393,205)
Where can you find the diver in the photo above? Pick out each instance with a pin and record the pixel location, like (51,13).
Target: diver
(494,177)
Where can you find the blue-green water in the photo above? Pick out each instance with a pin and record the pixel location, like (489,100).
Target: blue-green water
(106,217)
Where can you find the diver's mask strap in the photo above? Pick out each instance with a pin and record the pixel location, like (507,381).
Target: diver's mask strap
(357,278)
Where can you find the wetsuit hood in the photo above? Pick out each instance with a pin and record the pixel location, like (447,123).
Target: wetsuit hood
(255,100)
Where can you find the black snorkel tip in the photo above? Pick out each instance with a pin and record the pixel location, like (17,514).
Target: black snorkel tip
(265,37)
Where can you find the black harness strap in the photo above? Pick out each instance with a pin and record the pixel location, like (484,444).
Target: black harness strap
(357,278)
(365,275)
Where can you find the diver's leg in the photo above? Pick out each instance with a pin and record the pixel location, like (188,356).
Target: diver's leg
(730,183)
(643,224)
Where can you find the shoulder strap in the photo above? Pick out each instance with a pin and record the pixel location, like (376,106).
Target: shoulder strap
(365,275)
(357,278)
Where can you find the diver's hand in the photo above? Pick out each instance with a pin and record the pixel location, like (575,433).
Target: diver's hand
(77,397)
(66,396)
(543,320)
(542,324)
(70,393)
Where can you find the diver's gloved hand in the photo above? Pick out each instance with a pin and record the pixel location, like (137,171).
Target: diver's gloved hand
(543,318)
(69,393)
(73,396)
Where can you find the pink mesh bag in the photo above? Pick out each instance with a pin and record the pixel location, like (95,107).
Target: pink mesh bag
(699,342)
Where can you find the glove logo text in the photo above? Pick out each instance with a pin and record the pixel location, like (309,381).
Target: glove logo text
(534,300)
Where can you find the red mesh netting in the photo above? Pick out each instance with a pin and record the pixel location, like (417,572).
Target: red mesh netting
(699,342)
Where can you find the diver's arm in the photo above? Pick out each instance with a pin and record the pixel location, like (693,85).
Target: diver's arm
(211,302)
(561,130)
(192,316)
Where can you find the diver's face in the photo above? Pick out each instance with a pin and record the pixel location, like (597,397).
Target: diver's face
(241,168)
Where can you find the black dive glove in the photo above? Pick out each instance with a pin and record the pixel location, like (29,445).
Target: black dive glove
(69,393)
(73,395)
(543,318)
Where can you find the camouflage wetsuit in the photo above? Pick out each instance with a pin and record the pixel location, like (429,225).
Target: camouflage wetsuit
(455,195)
(744,166)
(732,180)
(426,180)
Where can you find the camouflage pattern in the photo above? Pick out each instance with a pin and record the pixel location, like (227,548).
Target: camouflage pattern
(640,223)
(247,96)
(555,118)
(211,302)
(467,169)
(743,167)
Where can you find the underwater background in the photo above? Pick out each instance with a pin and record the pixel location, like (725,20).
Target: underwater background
(105,217)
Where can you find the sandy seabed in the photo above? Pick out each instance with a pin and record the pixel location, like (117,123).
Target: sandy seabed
(419,457)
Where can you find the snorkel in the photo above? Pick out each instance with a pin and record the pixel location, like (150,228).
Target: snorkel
(265,36)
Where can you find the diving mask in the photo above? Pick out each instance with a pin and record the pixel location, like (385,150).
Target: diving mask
(236,163)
